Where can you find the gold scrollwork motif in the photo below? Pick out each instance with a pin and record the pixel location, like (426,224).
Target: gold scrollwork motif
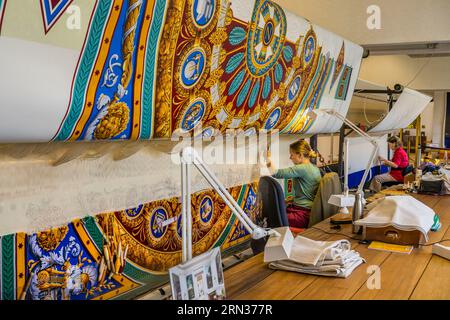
(165,70)
(114,122)
(133,11)
(306,73)
(218,37)
(213,78)
(117,114)
(154,261)
(50,240)
(158,257)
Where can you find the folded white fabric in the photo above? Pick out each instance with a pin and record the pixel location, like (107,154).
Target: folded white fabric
(402,212)
(325,258)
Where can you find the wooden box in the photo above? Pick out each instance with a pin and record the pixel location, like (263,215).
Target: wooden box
(394,236)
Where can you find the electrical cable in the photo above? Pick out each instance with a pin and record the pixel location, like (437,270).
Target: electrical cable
(418,72)
(405,244)
(365,115)
(336,233)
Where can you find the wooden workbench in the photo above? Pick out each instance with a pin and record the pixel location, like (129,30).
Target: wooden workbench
(419,275)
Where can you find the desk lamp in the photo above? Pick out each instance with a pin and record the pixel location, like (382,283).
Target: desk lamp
(343,200)
(189,156)
(359,201)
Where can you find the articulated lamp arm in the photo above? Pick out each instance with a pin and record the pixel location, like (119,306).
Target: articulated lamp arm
(353,126)
(363,134)
(189,156)
(359,197)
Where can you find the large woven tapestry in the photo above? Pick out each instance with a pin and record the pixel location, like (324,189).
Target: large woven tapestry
(119,254)
(152,68)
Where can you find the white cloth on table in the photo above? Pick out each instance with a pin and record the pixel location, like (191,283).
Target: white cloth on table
(325,258)
(402,212)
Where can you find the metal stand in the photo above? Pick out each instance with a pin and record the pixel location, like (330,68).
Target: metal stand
(359,197)
(189,156)
(313,144)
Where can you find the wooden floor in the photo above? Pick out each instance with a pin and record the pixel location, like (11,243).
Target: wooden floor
(419,275)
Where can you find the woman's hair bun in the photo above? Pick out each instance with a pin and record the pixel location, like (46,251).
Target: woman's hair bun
(312,154)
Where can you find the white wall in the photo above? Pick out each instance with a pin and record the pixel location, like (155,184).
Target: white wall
(360,151)
(401,20)
(427,121)
(439,115)
(328,147)
(389,70)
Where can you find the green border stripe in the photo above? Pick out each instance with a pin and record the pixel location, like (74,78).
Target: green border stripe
(1,268)
(150,66)
(139,275)
(300,109)
(233,217)
(8,267)
(322,91)
(84,70)
(94,232)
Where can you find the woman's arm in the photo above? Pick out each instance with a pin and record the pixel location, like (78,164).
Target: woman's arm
(388,163)
(288,173)
(395,163)
(270,165)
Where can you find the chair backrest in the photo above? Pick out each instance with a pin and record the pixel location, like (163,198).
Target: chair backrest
(273,208)
(321,209)
(407,170)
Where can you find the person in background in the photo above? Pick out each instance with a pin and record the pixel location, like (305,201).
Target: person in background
(306,177)
(427,165)
(398,164)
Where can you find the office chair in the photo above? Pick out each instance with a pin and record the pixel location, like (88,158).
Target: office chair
(321,209)
(273,208)
(273,203)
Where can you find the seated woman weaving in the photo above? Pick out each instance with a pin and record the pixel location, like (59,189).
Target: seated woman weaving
(306,178)
(398,164)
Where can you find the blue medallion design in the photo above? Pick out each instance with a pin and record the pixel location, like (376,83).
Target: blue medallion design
(134,212)
(193,114)
(180,226)
(294,89)
(268,32)
(193,67)
(250,202)
(309,50)
(206,210)
(273,119)
(249,206)
(203,12)
(266,37)
(157,227)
